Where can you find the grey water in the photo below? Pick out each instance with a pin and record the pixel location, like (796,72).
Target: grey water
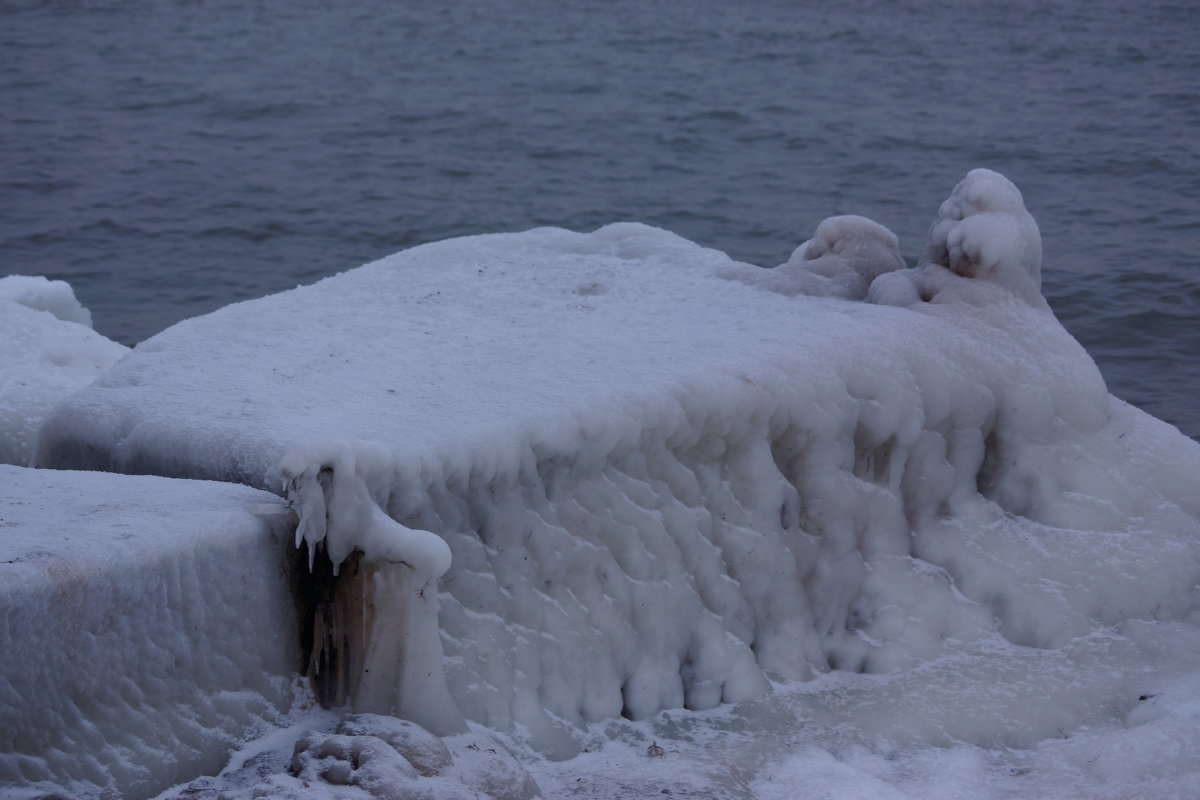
(168,157)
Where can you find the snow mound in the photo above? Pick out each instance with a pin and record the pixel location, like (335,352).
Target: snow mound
(148,628)
(843,257)
(982,233)
(47,351)
(667,480)
(43,294)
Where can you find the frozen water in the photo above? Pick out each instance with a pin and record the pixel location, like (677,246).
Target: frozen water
(47,351)
(982,232)
(843,257)
(147,628)
(668,480)
(43,294)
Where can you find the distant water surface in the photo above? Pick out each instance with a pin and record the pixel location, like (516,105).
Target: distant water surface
(169,157)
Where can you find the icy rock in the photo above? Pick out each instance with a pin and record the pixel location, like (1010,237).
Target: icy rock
(47,351)
(341,760)
(426,752)
(481,768)
(843,257)
(148,627)
(663,483)
(984,234)
(43,294)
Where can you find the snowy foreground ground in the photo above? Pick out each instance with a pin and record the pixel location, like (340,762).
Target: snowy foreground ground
(612,516)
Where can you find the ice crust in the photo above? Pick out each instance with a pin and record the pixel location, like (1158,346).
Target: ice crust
(147,628)
(47,351)
(666,479)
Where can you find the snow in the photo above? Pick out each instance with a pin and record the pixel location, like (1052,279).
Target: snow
(982,231)
(47,351)
(147,628)
(42,294)
(843,257)
(616,492)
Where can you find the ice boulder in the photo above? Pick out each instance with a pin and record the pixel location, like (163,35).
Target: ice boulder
(843,257)
(984,234)
(43,294)
(47,350)
(148,628)
(664,480)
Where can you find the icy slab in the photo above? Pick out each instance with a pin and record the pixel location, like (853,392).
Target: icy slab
(47,350)
(665,478)
(148,628)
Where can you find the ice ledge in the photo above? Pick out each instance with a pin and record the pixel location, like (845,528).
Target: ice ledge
(148,627)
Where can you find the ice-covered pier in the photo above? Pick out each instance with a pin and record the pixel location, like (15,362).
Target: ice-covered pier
(547,479)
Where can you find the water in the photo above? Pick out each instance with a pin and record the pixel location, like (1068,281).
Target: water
(168,158)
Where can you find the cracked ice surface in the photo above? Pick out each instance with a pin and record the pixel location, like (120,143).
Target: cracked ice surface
(665,479)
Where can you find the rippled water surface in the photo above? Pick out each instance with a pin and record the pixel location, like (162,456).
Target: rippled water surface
(170,157)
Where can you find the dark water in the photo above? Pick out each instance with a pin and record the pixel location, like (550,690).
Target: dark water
(170,157)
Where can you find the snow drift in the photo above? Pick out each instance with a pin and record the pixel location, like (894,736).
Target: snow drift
(666,479)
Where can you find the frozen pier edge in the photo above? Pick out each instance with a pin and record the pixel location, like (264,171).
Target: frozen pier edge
(567,477)
(146,627)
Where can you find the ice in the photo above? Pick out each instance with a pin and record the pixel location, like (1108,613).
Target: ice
(148,627)
(843,257)
(852,531)
(369,756)
(43,294)
(47,351)
(984,233)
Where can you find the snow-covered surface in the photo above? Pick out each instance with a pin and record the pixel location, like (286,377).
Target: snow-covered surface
(43,294)
(47,350)
(147,629)
(669,480)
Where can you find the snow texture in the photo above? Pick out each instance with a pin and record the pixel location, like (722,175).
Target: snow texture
(47,351)
(666,479)
(43,294)
(982,232)
(843,257)
(147,628)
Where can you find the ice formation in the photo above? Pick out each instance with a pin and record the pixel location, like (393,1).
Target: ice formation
(843,257)
(666,479)
(148,626)
(43,294)
(47,351)
(984,233)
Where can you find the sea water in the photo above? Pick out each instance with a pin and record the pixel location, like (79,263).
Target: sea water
(168,157)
